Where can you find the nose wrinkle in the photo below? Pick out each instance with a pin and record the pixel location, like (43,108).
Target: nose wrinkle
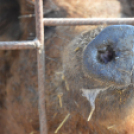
(118,70)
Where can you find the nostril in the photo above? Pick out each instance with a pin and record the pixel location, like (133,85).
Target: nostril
(106,56)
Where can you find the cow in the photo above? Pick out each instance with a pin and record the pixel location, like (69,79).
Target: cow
(78,98)
(106,61)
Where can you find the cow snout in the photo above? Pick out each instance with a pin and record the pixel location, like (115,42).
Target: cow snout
(110,56)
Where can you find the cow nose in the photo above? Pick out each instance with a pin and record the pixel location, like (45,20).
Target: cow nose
(110,56)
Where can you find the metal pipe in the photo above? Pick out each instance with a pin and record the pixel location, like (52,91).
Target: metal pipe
(15,45)
(87,21)
(41,65)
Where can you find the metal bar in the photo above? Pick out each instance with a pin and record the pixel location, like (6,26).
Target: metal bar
(41,65)
(13,45)
(87,21)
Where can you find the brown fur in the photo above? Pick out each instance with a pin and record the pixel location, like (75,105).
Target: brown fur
(18,73)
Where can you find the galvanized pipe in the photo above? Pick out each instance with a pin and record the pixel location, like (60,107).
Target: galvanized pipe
(41,64)
(87,21)
(15,45)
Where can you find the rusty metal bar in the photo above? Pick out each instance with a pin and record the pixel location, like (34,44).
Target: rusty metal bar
(41,65)
(87,21)
(15,45)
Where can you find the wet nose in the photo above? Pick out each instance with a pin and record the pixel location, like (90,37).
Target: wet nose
(110,56)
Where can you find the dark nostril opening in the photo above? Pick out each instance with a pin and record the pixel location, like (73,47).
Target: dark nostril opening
(106,56)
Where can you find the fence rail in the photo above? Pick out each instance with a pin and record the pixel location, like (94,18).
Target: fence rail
(13,45)
(87,21)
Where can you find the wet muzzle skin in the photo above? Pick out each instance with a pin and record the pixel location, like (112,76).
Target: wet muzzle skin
(98,78)
(110,56)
